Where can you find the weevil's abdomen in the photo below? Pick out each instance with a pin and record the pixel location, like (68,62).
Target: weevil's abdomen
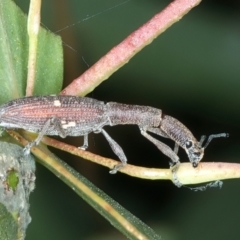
(31,113)
(133,114)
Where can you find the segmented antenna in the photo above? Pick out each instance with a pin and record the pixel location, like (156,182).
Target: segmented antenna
(211,137)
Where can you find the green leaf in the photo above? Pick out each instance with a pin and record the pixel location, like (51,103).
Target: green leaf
(8,225)
(128,224)
(14,56)
(49,75)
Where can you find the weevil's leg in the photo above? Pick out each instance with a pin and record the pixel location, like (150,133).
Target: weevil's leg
(174,175)
(211,137)
(57,124)
(175,168)
(167,151)
(85,137)
(117,150)
(85,142)
(2,129)
(176,148)
(157,131)
(161,146)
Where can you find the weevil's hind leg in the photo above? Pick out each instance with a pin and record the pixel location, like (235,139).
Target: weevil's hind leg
(117,150)
(161,146)
(85,142)
(57,125)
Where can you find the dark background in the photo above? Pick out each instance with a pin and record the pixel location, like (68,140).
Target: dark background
(191,72)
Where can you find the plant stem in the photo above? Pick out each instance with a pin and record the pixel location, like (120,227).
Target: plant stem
(123,52)
(34,17)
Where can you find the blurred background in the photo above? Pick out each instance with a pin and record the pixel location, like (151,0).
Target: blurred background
(191,72)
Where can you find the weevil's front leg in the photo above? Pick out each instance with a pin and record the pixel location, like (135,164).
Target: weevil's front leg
(176,148)
(174,175)
(57,125)
(159,132)
(165,150)
(117,150)
(161,146)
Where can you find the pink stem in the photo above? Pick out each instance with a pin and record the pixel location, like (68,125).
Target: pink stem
(123,52)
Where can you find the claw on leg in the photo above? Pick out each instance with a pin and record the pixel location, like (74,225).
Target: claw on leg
(117,168)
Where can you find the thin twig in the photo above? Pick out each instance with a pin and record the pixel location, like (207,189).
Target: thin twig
(205,172)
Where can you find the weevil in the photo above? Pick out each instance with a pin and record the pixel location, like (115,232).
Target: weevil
(79,116)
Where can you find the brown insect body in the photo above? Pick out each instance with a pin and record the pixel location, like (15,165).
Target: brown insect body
(79,116)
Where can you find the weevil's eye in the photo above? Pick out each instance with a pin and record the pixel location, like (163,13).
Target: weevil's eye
(188,144)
